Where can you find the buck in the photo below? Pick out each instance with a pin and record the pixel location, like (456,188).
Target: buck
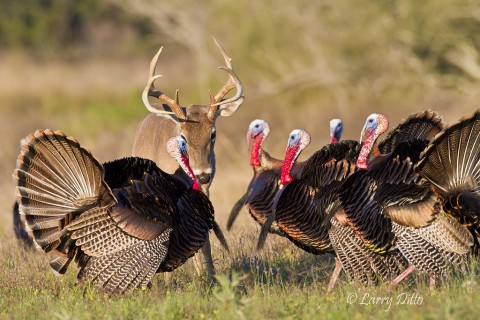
(196,123)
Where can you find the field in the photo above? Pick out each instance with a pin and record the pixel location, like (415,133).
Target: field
(301,65)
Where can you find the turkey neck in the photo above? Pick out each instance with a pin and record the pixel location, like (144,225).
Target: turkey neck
(269,163)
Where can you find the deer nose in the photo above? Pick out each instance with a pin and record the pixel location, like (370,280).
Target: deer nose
(204,178)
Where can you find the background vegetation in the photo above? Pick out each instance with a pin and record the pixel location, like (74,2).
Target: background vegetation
(80,66)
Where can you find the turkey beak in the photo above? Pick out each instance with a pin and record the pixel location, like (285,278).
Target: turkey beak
(364,134)
(249,138)
(184,154)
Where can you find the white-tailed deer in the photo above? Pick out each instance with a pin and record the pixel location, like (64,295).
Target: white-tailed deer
(195,122)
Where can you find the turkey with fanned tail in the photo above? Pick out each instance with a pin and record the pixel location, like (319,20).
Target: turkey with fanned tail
(121,228)
(391,208)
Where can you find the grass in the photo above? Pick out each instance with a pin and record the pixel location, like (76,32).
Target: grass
(282,282)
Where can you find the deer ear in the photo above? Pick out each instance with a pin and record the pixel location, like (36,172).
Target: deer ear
(229,108)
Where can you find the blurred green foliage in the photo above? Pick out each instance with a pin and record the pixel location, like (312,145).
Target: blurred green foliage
(47,25)
(43,23)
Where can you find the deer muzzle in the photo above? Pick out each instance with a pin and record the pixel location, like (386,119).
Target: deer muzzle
(204,178)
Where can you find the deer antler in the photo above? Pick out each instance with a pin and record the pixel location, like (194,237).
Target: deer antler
(151,91)
(233,81)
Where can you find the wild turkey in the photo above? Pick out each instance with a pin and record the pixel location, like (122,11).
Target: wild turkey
(264,184)
(451,164)
(119,237)
(336,130)
(391,208)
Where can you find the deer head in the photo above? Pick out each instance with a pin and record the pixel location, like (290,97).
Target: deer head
(196,122)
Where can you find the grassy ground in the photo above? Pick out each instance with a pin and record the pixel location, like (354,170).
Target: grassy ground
(279,283)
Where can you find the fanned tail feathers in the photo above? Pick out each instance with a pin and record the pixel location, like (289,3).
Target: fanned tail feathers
(423,125)
(451,162)
(57,179)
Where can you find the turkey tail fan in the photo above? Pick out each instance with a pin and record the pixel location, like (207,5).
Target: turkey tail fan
(236,210)
(451,163)
(351,252)
(218,232)
(422,126)
(57,179)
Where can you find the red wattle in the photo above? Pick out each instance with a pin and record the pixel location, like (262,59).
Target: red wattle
(286,179)
(254,156)
(333,140)
(189,172)
(362,165)
(195,185)
(290,156)
(362,160)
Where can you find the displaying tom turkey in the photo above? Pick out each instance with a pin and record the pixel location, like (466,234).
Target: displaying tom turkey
(392,208)
(120,228)
(311,212)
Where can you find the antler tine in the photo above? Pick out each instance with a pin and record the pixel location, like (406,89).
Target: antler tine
(146,93)
(229,86)
(153,63)
(232,82)
(151,91)
(228,60)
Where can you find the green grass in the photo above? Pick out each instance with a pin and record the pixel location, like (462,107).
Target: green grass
(282,283)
